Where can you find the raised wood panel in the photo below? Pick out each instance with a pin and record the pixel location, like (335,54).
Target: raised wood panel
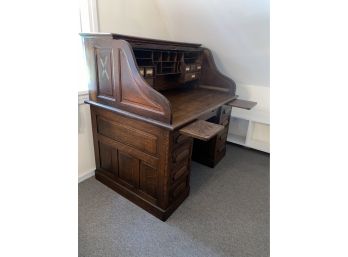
(128,169)
(179,188)
(179,172)
(105,157)
(148,180)
(128,135)
(182,153)
(104,74)
(130,150)
(134,123)
(108,159)
(115,80)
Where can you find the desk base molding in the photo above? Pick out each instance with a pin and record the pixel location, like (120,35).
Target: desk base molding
(143,203)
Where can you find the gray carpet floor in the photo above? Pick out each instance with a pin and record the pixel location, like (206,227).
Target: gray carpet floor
(226,214)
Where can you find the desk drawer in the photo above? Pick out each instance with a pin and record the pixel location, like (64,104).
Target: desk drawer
(179,187)
(181,154)
(180,166)
(221,150)
(128,135)
(208,115)
(179,139)
(191,76)
(221,138)
(180,171)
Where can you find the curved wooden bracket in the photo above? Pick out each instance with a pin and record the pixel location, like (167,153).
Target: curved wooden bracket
(115,80)
(212,78)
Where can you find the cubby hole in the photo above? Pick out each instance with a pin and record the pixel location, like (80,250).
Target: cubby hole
(190,57)
(165,56)
(157,56)
(172,56)
(144,62)
(166,63)
(143,54)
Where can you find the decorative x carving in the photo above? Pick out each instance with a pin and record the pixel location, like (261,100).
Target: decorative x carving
(103,64)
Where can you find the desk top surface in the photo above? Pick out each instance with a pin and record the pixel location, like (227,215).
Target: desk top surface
(189,104)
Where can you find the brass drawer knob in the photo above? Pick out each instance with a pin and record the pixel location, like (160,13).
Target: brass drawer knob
(148,71)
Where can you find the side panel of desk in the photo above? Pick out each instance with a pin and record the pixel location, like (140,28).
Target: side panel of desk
(147,164)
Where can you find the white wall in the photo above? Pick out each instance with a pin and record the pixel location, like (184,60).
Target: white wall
(237,31)
(131,17)
(86,151)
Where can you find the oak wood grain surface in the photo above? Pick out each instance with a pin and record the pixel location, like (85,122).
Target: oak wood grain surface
(188,104)
(202,129)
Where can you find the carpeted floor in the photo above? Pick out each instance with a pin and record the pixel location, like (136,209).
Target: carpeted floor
(226,214)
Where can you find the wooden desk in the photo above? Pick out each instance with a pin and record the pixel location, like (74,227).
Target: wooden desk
(155,105)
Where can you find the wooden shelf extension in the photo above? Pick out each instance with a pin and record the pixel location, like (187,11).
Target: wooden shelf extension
(202,130)
(243,104)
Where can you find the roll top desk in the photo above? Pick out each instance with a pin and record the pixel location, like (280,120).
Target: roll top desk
(155,106)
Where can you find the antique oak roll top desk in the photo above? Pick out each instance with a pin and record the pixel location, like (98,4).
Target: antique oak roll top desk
(155,105)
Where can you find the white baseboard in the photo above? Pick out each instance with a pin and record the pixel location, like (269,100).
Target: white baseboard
(86,175)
